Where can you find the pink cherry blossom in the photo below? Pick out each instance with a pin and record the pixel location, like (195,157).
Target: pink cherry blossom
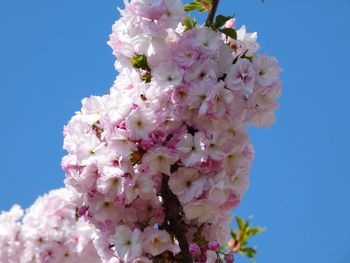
(127,243)
(170,136)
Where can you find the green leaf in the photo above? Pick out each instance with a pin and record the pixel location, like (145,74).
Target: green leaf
(240,223)
(135,157)
(254,231)
(188,23)
(230,32)
(233,234)
(194,6)
(249,252)
(220,21)
(139,62)
(198,236)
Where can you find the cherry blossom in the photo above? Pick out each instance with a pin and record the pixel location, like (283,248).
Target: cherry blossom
(158,163)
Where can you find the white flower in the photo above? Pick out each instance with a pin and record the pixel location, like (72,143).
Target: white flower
(167,75)
(192,148)
(174,15)
(202,71)
(248,39)
(220,100)
(118,106)
(219,193)
(121,143)
(241,76)
(216,144)
(240,181)
(92,109)
(90,149)
(140,123)
(156,241)
(208,39)
(201,211)
(127,243)
(159,160)
(111,182)
(267,70)
(142,187)
(186,184)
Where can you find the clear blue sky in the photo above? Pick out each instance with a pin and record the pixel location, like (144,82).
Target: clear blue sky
(53,53)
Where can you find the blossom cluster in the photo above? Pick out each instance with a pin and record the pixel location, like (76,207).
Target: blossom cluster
(174,124)
(49,232)
(10,239)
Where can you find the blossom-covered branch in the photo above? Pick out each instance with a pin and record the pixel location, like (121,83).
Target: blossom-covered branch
(158,163)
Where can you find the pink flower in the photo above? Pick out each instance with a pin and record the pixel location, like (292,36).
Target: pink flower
(159,160)
(186,184)
(192,148)
(152,9)
(267,69)
(230,23)
(194,248)
(156,241)
(140,123)
(167,75)
(127,243)
(241,76)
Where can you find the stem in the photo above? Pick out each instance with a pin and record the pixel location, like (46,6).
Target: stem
(212,12)
(172,221)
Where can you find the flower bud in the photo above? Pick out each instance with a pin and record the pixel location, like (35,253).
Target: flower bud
(229,258)
(194,248)
(213,245)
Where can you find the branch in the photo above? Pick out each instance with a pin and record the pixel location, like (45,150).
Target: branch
(212,12)
(172,221)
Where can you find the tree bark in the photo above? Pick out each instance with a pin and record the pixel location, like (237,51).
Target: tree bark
(173,219)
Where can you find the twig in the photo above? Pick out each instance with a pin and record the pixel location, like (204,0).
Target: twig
(212,12)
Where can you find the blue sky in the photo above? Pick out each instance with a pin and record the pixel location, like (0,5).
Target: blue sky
(54,53)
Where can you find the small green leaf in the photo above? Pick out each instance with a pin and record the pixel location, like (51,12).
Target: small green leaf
(233,234)
(221,20)
(230,32)
(254,231)
(194,6)
(249,252)
(240,223)
(139,62)
(135,157)
(188,23)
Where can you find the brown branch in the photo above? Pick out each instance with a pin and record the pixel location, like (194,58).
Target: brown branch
(212,12)
(172,221)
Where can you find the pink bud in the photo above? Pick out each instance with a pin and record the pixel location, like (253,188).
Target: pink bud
(230,23)
(82,211)
(122,125)
(213,245)
(146,144)
(204,249)
(229,258)
(202,258)
(194,248)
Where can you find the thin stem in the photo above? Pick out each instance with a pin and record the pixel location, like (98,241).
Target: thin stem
(212,12)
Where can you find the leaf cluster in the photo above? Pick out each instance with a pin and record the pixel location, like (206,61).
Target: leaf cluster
(241,236)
